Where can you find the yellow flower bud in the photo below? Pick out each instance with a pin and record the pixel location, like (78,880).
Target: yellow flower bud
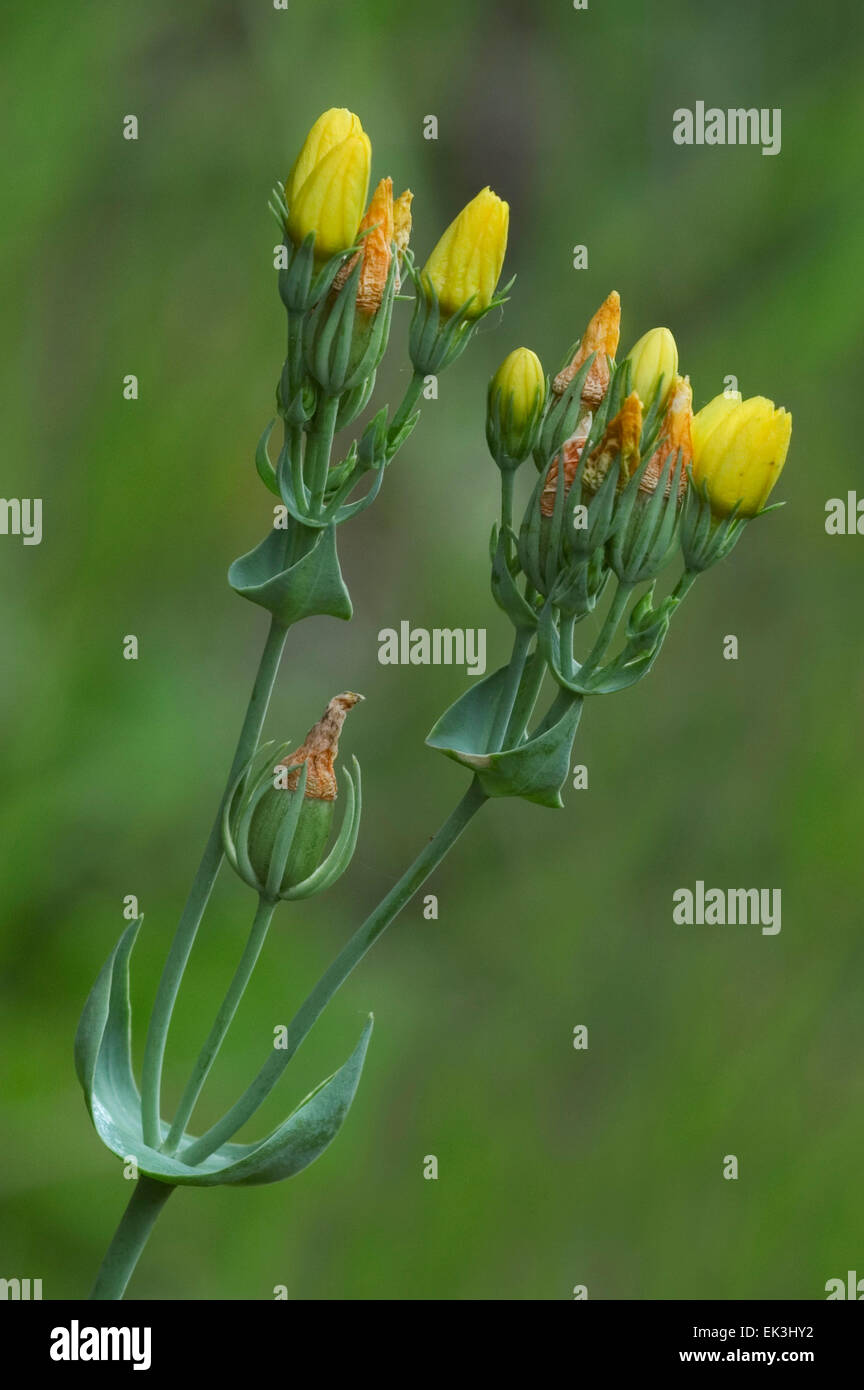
(516,395)
(331,201)
(521,385)
(328,131)
(655,356)
(711,415)
(739,451)
(467,261)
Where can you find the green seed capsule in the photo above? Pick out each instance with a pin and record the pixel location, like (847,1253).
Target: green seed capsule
(310,836)
(279,829)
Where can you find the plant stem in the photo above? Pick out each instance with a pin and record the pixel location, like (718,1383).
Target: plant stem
(510,689)
(508,478)
(318,450)
(184,938)
(685,584)
(222,1023)
(409,400)
(145,1204)
(350,955)
(609,628)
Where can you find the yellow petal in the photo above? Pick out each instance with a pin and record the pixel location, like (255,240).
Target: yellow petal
(743,456)
(653,358)
(332,199)
(466,263)
(329,130)
(706,419)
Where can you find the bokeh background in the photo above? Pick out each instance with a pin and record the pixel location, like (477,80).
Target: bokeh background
(557,1167)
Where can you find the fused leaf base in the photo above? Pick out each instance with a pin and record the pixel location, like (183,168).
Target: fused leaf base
(535,768)
(103,1061)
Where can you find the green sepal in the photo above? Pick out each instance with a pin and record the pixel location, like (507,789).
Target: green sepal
(602,516)
(313,585)
(535,770)
(342,346)
(304,281)
(298,408)
(580,586)
(706,539)
(645,526)
(103,1060)
(397,436)
(340,856)
(352,403)
(434,342)
(562,415)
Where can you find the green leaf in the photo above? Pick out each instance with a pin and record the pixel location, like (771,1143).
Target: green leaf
(92,1026)
(535,769)
(306,1133)
(313,585)
(103,1060)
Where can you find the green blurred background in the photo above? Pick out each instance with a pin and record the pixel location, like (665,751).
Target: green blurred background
(557,1167)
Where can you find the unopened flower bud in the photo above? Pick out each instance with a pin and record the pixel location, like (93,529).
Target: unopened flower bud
(740,448)
(711,414)
(466,263)
(329,130)
(654,365)
(330,202)
(600,337)
(517,393)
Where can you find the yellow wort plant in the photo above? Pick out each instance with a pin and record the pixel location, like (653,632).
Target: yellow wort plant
(627,479)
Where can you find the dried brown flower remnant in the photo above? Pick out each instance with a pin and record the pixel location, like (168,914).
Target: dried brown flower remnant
(319,749)
(601,336)
(620,440)
(571,452)
(375,251)
(675,434)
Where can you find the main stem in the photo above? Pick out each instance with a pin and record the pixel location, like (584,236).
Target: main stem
(222,1023)
(139,1218)
(199,894)
(350,955)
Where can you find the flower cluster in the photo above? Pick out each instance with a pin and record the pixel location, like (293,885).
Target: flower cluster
(342,262)
(628,475)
